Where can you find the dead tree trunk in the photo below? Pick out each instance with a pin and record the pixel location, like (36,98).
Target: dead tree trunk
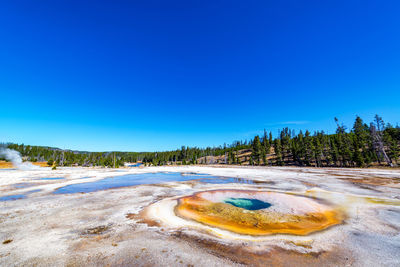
(377,142)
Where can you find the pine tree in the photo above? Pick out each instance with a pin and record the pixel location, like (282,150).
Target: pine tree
(357,155)
(256,149)
(308,148)
(301,148)
(264,156)
(278,152)
(270,140)
(361,142)
(266,143)
(318,150)
(393,147)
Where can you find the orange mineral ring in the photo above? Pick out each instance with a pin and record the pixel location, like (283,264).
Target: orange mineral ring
(258,212)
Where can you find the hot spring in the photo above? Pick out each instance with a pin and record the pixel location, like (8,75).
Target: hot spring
(258,212)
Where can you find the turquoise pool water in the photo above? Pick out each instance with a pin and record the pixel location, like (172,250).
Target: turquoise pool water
(247,203)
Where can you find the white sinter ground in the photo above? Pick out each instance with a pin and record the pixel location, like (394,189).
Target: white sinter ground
(92,229)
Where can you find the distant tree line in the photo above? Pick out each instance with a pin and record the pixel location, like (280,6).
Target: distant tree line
(362,145)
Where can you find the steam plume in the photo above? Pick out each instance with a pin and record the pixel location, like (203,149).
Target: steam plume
(16,159)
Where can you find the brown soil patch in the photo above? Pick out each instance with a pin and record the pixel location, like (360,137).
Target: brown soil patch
(141,218)
(9,165)
(373,180)
(96,230)
(41,164)
(6,165)
(309,184)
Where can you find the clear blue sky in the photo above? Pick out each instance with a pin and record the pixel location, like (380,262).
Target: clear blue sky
(155,75)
